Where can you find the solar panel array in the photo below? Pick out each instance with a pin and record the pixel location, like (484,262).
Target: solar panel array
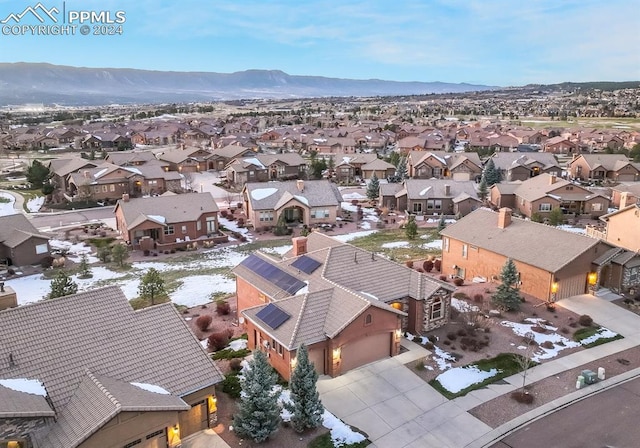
(272,316)
(306,264)
(273,274)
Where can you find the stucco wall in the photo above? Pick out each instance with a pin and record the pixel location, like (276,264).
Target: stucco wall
(618,229)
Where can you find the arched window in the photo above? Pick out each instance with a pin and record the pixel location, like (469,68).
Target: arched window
(368,319)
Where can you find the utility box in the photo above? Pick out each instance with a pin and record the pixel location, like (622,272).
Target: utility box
(590,377)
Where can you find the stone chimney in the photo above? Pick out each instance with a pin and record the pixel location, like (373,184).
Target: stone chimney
(552,179)
(504,217)
(447,190)
(85,174)
(299,245)
(125,197)
(300,185)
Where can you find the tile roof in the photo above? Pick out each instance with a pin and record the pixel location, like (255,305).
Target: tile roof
(230,151)
(173,208)
(16,229)
(435,188)
(526,241)
(317,193)
(23,404)
(57,340)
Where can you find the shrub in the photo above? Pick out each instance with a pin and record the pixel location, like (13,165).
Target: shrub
(47,262)
(443,278)
(11,271)
(203,322)
(564,330)
(229,353)
(451,336)
(231,385)
(146,252)
(585,320)
(573,324)
(222,307)
(446,342)
(429,346)
(547,344)
(427,266)
(437,264)
(432,339)
(460,295)
(409,264)
(235,365)
(462,332)
(458,281)
(218,340)
(478,298)
(419,365)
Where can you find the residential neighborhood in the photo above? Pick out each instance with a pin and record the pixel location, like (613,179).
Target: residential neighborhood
(426,272)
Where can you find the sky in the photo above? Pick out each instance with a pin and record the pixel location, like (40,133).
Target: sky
(491,42)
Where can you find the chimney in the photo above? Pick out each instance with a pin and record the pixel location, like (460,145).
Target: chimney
(624,199)
(447,190)
(300,185)
(86,174)
(125,197)
(504,217)
(552,179)
(299,245)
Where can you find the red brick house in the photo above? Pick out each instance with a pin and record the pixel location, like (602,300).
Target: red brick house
(347,305)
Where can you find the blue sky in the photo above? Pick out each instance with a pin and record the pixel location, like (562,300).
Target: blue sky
(494,42)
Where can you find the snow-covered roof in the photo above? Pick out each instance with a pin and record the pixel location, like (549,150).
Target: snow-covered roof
(28,386)
(151,388)
(261,193)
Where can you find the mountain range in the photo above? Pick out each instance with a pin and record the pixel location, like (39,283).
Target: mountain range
(22,83)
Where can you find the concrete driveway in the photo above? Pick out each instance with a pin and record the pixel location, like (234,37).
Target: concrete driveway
(396,408)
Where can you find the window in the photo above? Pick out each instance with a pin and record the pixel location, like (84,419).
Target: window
(266,216)
(434,204)
(596,207)
(42,249)
(544,207)
(437,172)
(417,207)
(134,443)
(168,230)
(198,225)
(368,319)
(436,308)
(445,244)
(112,188)
(211,224)
(276,347)
(184,229)
(320,213)
(96,189)
(104,188)
(153,182)
(465,250)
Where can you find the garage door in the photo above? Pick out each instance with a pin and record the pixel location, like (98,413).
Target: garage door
(365,350)
(461,176)
(317,357)
(157,439)
(572,286)
(626,177)
(194,420)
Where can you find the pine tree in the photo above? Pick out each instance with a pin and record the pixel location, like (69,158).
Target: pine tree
(62,285)
(411,229)
(373,189)
(37,174)
(305,406)
(507,295)
(152,286)
(441,223)
(119,253)
(483,192)
(258,412)
(84,270)
(401,169)
(556,217)
(492,175)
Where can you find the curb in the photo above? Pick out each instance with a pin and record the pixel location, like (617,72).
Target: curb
(500,432)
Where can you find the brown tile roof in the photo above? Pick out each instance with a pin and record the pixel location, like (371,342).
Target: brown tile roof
(315,193)
(23,404)
(56,341)
(529,242)
(16,229)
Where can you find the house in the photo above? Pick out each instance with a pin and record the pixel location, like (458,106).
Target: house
(516,166)
(503,194)
(61,169)
(264,167)
(167,221)
(221,157)
(622,226)
(308,202)
(133,158)
(630,191)
(618,269)
(431,196)
(347,305)
(614,167)
(552,263)
(102,375)
(379,167)
(349,167)
(560,145)
(543,193)
(440,164)
(186,160)
(21,243)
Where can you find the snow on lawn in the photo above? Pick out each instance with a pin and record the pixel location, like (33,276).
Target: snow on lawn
(463,306)
(279,250)
(232,226)
(602,333)
(559,341)
(352,236)
(238,344)
(74,251)
(34,204)
(196,290)
(572,229)
(443,359)
(6,208)
(396,244)
(25,385)
(435,244)
(458,378)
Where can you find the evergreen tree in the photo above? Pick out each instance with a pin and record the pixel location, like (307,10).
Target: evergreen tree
(281,226)
(491,175)
(373,189)
(556,217)
(305,407)
(536,217)
(84,270)
(483,192)
(62,285)
(441,223)
(507,295)
(411,229)
(258,412)
(394,158)
(401,169)
(37,174)
(152,286)
(119,253)
(104,254)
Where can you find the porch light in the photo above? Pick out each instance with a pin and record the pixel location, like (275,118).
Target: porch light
(398,333)
(592,278)
(554,287)
(396,305)
(293,363)
(175,429)
(336,353)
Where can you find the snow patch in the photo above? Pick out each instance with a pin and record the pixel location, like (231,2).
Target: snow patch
(238,344)
(559,341)
(35,204)
(396,244)
(25,385)
(261,193)
(151,388)
(458,378)
(6,208)
(602,333)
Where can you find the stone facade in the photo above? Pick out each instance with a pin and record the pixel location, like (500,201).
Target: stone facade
(21,428)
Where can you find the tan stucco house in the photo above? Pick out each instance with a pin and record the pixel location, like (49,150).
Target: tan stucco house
(21,243)
(599,167)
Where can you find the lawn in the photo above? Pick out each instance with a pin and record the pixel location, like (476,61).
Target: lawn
(411,249)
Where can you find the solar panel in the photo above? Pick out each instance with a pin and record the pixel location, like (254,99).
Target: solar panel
(272,316)
(273,274)
(306,264)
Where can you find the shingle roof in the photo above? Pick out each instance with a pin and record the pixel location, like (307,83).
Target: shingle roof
(529,242)
(16,229)
(123,158)
(539,187)
(62,167)
(57,340)
(173,208)
(609,162)
(317,193)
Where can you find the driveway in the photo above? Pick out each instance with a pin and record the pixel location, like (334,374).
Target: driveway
(396,408)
